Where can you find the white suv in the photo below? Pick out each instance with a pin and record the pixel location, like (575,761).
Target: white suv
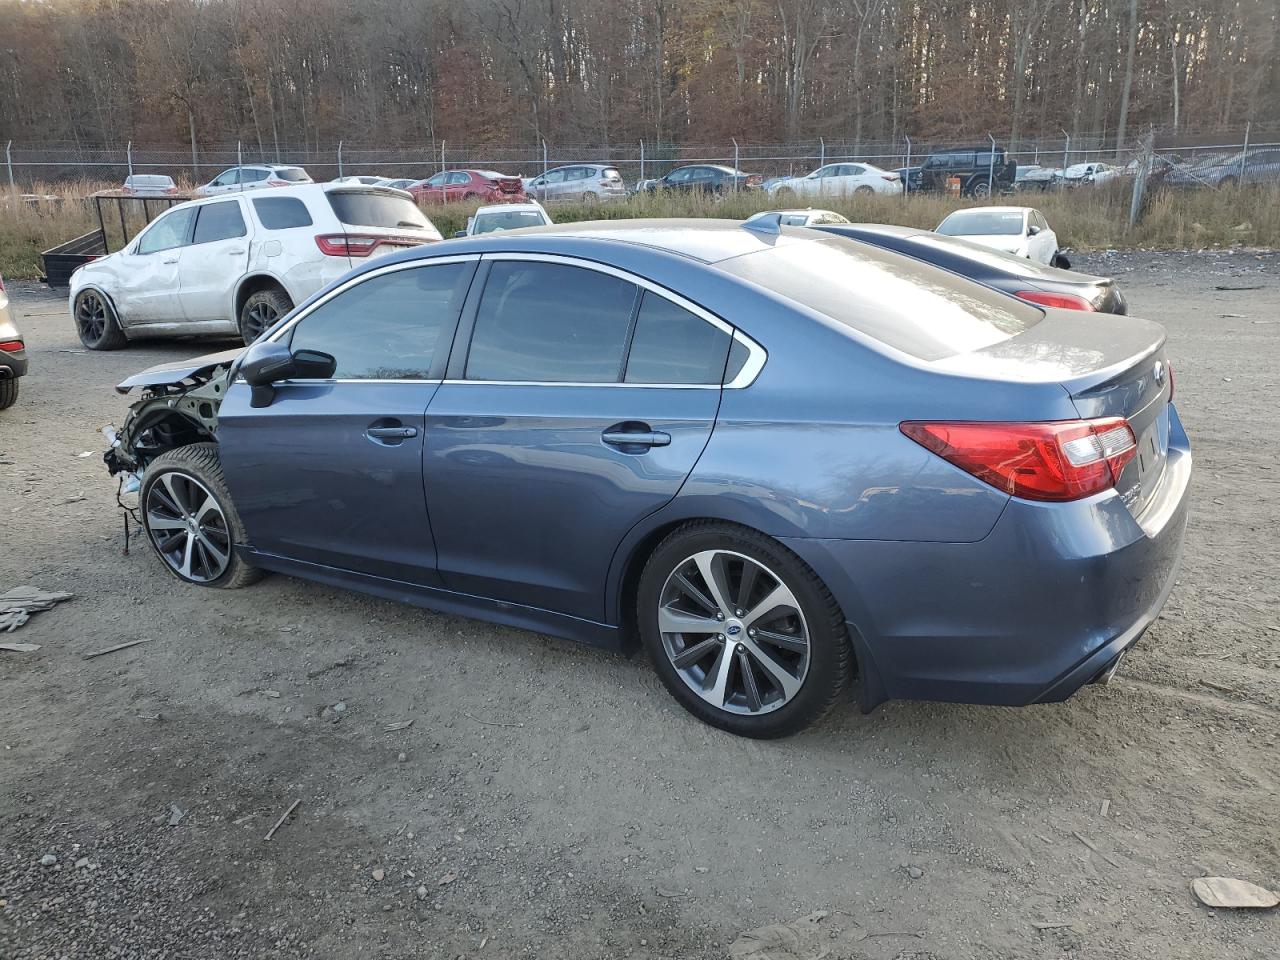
(234,265)
(252,177)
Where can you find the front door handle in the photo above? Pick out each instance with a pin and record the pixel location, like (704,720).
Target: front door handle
(170,260)
(390,433)
(635,437)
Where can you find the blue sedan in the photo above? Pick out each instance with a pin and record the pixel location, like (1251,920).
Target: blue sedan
(782,462)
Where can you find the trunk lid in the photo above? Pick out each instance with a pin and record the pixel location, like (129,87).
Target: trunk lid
(1110,366)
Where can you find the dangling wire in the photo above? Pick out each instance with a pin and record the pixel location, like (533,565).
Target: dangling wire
(126,512)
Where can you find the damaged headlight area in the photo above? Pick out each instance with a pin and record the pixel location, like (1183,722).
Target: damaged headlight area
(179,406)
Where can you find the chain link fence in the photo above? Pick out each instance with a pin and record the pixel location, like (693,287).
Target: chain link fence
(28,164)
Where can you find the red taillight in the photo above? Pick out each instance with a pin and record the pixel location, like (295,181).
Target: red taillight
(1063,301)
(1061,460)
(277,183)
(347,244)
(12,346)
(889,176)
(1,284)
(171,190)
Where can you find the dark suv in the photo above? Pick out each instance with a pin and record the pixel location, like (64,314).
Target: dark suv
(978,176)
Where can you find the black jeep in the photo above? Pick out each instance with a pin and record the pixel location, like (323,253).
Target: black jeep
(973,166)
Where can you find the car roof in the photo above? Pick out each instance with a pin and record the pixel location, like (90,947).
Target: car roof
(301,190)
(970,210)
(509,207)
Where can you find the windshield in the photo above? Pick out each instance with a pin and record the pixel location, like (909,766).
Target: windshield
(361,209)
(908,305)
(982,223)
(292,174)
(507,220)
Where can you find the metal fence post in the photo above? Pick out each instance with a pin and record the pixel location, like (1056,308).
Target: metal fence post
(641,159)
(822,152)
(128,156)
(442,156)
(339,159)
(1066,150)
(735,164)
(906,179)
(1245,154)
(8,159)
(544,156)
(239,157)
(991,168)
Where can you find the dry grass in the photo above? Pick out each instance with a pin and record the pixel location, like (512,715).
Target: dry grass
(1086,219)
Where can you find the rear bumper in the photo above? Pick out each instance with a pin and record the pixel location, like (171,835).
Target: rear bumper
(13,365)
(1040,607)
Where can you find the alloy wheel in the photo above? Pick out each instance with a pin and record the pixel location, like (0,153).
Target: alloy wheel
(188,527)
(91,317)
(734,632)
(257,319)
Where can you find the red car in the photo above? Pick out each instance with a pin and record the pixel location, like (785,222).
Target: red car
(454,185)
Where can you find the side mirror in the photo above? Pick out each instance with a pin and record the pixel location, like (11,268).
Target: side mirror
(459,234)
(268,362)
(1032,230)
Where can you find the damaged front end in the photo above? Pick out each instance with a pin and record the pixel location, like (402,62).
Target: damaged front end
(179,406)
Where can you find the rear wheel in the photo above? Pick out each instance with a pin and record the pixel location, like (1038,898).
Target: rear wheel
(96,322)
(864,191)
(589,198)
(742,633)
(785,193)
(8,393)
(190,519)
(979,189)
(1060,261)
(260,312)
(1226,183)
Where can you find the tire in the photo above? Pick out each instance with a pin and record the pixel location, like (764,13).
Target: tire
(260,311)
(808,649)
(174,489)
(785,193)
(1060,261)
(1226,183)
(863,191)
(468,196)
(8,393)
(589,198)
(979,189)
(96,321)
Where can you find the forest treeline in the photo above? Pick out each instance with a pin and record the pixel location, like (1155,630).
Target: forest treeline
(99,72)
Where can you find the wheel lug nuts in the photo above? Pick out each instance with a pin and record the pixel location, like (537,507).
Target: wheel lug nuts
(720,636)
(737,613)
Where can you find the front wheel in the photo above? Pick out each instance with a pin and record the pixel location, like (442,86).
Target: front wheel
(190,519)
(96,322)
(742,633)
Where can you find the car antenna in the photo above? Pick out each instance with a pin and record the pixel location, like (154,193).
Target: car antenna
(770,223)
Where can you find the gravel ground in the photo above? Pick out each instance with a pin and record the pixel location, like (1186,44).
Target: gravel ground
(552,801)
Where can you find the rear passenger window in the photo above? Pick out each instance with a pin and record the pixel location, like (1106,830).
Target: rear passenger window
(281,213)
(388,327)
(219,221)
(550,322)
(672,345)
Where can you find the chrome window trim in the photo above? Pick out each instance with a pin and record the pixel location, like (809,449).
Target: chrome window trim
(757,355)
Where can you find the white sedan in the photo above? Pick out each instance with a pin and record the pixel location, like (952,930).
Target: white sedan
(839,179)
(505,216)
(1021,231)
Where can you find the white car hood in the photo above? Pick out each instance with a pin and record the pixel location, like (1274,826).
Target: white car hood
(1003,243)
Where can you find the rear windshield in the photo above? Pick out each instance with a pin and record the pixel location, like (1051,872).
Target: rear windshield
(609,173)
(982,223)
(911,306)
(363,209)
(507,220)
(292,174)
(1006,263)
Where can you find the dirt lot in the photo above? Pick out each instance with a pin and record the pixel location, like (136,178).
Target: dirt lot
(552,801)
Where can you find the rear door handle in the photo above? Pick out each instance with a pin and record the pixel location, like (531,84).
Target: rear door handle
(639,438)
(170,260)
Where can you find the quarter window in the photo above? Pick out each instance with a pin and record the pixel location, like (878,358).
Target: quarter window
(219,221)
(170,231)
(550,322)
(389,327)
(672,345)
(282,213)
